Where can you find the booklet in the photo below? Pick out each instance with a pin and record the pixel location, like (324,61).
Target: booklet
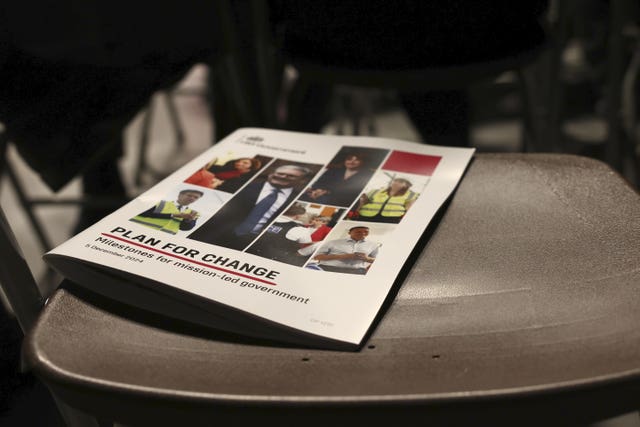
(279,235)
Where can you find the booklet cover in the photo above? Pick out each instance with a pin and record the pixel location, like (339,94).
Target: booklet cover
(280,235)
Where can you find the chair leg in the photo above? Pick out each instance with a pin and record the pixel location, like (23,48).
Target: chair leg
(629,116)
(175,120)
(141,166)
(73,417)
(615,71)
(28,207)
(542,98)
(528,133)
(631,419)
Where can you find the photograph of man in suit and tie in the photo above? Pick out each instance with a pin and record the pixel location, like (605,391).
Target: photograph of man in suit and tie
(247,214)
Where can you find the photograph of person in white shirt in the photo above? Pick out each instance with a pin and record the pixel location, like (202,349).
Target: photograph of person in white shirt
(352,255)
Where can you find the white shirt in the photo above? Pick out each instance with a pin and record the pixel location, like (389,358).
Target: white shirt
(348,246)
(300,234)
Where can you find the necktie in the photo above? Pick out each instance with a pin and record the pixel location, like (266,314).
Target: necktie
(256,214)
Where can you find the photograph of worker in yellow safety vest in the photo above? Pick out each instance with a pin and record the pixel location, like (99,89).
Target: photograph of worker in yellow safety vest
(172,216)
(387,198)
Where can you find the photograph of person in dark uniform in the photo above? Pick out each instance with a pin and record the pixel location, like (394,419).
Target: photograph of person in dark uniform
(345,177)
(283,237)
(245,216)
(170,216)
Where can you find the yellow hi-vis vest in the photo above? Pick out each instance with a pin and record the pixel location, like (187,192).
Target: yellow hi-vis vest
(169,225)
(381,203)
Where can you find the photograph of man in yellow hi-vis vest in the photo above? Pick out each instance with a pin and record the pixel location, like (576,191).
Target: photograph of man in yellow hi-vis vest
(170,216)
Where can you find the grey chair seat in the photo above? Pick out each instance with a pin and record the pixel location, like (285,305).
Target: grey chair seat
(522,307)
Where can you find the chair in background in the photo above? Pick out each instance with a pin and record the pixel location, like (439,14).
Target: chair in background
(611,29)
(538,69)
(520,310)
(29,203)
(322,69)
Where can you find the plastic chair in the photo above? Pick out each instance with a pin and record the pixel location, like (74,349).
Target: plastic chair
(26,301)
(326,70)
(29,203)
(521,309)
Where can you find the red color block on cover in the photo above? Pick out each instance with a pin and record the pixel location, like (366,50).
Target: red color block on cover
(418,164)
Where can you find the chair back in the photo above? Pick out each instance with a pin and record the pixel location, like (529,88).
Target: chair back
(16,279)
